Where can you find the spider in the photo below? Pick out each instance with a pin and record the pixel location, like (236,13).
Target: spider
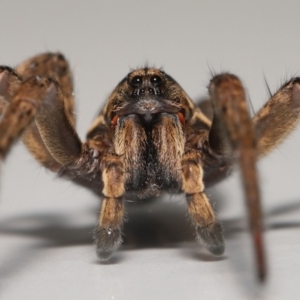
(149,138)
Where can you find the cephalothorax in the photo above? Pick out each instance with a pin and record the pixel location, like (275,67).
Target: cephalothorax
(149,138)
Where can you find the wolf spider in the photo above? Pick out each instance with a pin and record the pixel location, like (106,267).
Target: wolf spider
(148,139)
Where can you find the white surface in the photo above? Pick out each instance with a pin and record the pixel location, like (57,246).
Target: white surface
(46,247)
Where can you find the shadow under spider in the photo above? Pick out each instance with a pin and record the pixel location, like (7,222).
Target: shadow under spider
(156,224)
(153,224)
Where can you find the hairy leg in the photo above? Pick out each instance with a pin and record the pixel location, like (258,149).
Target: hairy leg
(208,229)
(9,83)
(55,66)
(21,111)
(52,65)
(107,234)
(22,88)
(278,117)
(236,136)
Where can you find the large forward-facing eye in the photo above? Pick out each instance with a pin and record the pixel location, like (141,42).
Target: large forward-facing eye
(156,80)
(136,81)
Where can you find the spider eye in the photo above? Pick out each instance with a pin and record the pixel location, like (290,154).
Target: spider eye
(136,81)
(156,80)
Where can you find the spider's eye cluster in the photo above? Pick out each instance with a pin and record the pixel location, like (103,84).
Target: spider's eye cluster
(146,85)
(136,81)
(156,80)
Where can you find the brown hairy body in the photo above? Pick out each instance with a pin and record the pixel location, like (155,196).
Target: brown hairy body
(150,138)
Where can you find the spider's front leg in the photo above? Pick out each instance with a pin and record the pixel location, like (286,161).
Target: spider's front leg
(209,230)
(278,117)
(107,233)
(29,93)
(9,83)
(22,109)
(232,134)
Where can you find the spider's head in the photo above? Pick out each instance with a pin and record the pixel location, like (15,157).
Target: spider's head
(146,83)
(147,92)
